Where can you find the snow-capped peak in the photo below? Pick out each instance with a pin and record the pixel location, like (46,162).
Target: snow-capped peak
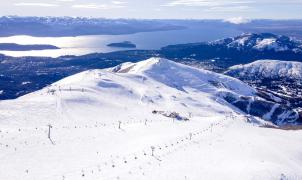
(140,66)
(181,76)
(261,42)
(269,69)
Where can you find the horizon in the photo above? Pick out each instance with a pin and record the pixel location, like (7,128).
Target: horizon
(156,9)
(125,18)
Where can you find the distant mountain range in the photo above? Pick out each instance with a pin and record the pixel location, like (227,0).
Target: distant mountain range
(76,26)
(69,26)
(242,49)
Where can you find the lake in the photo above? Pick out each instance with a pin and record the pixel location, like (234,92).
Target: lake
(81,45)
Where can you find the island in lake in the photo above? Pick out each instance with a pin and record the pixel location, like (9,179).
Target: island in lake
(124,44)
(19,47)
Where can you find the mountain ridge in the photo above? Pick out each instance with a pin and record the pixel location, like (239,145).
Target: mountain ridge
(269,69)
(230,91)
(132,122)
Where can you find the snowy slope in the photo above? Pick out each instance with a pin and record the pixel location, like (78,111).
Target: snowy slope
(85,111)
(269,69)
(277,81)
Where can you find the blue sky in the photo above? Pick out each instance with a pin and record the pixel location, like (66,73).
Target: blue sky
(157,9)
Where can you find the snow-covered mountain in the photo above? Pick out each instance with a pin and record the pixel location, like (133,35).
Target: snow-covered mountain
(246,48)
(261,42)
(236,93)
(154,119)
(268,69)
(77,26)
(277,81)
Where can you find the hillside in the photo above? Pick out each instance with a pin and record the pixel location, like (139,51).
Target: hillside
(279,81)
(154,119)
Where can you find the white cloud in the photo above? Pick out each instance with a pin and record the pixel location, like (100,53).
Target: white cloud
(98,6)
(237,20)
(118,2)
(206,3)
(36,4)
(278,2)
(217,3)
(229,8)
(66,0)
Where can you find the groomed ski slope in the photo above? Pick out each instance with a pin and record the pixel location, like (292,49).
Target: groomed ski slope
(104,128)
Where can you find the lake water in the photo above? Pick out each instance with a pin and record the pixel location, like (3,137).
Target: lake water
(81,45)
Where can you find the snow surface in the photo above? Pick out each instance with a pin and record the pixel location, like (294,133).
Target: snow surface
(270,44)
(270,69)
(85,111)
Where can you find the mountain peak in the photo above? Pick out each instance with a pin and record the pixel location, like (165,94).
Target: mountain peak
(142,66)
(261,42)
(269,69)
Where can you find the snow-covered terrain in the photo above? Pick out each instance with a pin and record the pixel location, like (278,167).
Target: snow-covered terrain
(276,81)
(124,123)
(269,69)
(261,42)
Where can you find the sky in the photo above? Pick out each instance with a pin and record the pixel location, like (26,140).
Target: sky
(156,9)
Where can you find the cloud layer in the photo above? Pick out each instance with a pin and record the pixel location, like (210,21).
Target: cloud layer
(36,4)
